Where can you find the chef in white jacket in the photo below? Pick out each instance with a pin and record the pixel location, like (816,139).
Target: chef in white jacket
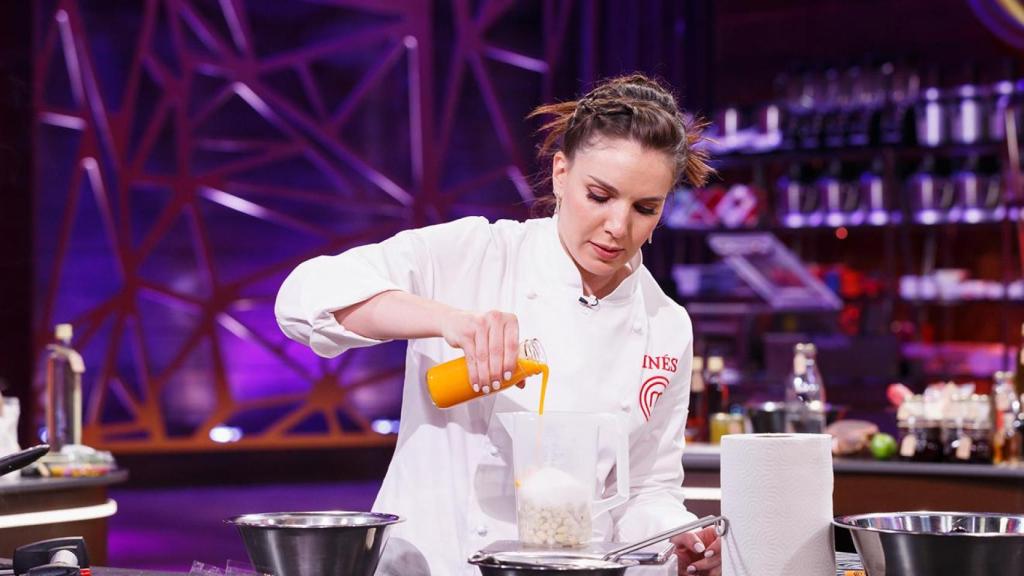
(615,343)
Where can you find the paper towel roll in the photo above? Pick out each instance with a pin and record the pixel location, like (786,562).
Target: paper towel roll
(777,496)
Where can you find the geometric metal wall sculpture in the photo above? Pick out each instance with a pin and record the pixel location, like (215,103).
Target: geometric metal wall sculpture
(1005,18)
(191,152)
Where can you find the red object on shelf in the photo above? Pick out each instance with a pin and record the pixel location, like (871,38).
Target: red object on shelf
(897,393)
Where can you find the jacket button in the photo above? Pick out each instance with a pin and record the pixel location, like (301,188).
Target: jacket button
(481,530)
(638,326)
(625,405)
(531,295)
(492,450)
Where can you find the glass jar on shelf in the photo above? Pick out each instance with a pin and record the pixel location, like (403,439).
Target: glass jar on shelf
(920,437)
(978,428)
(956,444)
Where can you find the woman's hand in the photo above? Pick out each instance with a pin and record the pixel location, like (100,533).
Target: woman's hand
(490,341)
(699,552)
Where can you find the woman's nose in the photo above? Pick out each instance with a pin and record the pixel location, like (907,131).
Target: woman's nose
(615,224)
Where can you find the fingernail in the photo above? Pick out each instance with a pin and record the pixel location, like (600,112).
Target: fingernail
(487,389)
(496,385)
(709,553)
(507,375)
(476,387)
(698,547)
(690,569)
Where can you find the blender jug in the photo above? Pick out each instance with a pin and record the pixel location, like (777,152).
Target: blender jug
(555,463)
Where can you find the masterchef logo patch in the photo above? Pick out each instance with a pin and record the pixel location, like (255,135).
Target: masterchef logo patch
(652,389)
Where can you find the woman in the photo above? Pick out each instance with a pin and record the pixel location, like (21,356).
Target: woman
(614,341)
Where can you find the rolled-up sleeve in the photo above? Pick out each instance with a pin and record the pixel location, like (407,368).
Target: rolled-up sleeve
(656,500)
(319,287)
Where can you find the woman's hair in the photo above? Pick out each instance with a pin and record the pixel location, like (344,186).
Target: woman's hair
(632,107)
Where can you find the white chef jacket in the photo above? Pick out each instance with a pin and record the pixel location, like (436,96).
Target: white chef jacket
(451,474)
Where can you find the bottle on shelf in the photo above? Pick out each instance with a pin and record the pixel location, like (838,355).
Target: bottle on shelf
(697,417)
(798,203)
(873,194)
(1008,435)
(896,122)
(930,194)
(805,392)
(1018,380)
(717,391)
(64,369)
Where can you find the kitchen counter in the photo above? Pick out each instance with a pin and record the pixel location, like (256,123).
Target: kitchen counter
(863,485)
(33,509)
(706,457)
(844,562)
(25,484)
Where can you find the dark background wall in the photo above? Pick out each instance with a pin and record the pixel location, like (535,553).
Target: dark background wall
(16,154)
(189,153)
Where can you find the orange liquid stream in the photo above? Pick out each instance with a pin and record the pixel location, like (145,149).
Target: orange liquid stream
(532,367)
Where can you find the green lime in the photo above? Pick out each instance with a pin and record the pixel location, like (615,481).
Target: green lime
(883,446)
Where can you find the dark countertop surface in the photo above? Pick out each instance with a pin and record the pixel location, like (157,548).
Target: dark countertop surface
(844,562)
(25,485)
(707,457)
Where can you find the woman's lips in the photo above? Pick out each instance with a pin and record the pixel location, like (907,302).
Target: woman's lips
(605,253)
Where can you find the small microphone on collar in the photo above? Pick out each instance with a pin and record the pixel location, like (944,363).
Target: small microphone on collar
(589,301)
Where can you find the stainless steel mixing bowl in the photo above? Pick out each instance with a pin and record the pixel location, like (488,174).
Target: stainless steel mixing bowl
(937,543)
(315,543)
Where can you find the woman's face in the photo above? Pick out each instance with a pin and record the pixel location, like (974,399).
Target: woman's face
(611,198)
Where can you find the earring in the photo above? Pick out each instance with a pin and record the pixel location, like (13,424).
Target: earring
(558,202)
(650,239)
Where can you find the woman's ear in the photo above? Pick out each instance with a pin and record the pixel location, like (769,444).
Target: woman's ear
(559,172)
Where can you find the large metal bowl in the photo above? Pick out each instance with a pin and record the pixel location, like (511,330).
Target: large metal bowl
(315,543)
(937,543)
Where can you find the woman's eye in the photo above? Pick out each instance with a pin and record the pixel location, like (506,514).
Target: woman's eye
(647,210)
(597,197)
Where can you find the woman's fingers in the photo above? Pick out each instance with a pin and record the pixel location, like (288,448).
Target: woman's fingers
(691,541)
(490,342)
(699,552)
(482,352)
(495,348)
(510,358)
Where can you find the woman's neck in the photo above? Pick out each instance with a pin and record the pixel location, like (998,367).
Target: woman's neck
(602,286)
(594,285)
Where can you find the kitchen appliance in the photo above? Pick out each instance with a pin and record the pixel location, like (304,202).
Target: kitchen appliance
(532,562)
(54,557)
(767,417)
(19,460)
(555,467)
(315,543)
(937,543)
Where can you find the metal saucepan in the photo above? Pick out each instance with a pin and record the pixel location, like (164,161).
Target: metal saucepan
(568,563)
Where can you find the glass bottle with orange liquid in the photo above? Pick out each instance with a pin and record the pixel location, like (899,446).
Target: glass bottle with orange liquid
(448,383)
